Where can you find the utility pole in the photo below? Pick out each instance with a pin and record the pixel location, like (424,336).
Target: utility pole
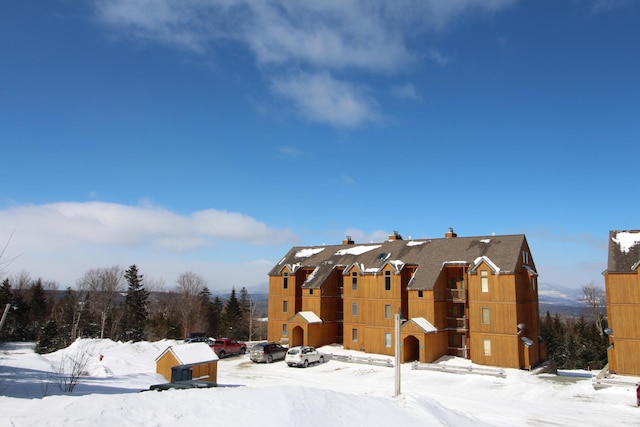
(397,364)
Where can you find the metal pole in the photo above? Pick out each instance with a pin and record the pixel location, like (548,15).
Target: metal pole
(397,367)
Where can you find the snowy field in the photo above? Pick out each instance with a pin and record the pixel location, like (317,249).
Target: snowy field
(331,394)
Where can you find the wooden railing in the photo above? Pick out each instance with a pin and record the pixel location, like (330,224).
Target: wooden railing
(456,294)
(457,323)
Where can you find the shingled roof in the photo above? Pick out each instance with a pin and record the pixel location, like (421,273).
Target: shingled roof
(429,255)
(624,251)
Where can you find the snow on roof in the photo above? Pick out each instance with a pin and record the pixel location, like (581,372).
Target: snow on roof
(357,250)
(397,264)
(307,252)
(198,352)
(416,243)
(424,324)
(312,275)
(626,240)
(485,241)
(486,259)
(310,316)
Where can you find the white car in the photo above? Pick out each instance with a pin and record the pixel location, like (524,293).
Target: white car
(303,355)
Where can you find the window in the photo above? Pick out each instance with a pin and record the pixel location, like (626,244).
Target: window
(486,318)
(387,339)
(354,281)
(486,347)
(285,281)
(285,306)
(387,311)
(310,291)
(420,294)
(284,329)
(525,257)
(354,309)
(387,280)
(354,335)
(484,281)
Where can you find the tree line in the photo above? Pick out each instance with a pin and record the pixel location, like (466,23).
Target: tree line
(117,304)
(579,343)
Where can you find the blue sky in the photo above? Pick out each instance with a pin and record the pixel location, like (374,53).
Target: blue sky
(212,135)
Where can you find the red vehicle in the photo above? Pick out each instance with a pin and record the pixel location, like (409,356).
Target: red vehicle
(226,346)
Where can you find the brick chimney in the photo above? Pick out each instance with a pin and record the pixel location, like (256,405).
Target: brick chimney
(450,234)
(348,241)
(395,236)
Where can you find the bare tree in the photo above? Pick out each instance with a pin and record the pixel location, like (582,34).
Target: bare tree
(595,298)
(4,262)
(99,287)
(189,286)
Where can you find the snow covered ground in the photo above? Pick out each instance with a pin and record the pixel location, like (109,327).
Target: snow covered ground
(331,394)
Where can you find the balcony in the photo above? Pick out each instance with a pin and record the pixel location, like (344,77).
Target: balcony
(457,324)
(457,295)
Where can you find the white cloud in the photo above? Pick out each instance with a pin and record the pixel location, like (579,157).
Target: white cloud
(316,36)
(60,241)
(320,97)
(66,224)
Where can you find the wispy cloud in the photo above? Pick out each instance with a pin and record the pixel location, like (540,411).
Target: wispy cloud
(405,91)
(436,56)
(290,151)
(320,97)
(315,36)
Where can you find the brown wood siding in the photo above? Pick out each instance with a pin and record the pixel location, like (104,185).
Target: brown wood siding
(504,350)
(204,371)
(165,363)
(277,295)
(623,312)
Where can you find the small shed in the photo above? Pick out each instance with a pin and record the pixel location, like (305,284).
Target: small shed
(305,329)
(198,357)
(421,341)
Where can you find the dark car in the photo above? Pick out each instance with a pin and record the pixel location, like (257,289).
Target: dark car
(267,352)
(199,339)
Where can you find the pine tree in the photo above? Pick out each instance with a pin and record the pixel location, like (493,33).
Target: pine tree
(49,340)
(38,307)
(135,307)
(233,316)
(216,317)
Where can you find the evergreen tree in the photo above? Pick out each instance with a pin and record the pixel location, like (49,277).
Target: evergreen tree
(135,306)
(49,340)
(38,307)
(216,315)
(233,316)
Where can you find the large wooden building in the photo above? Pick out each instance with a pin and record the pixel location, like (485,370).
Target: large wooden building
(622,284)
(472,297)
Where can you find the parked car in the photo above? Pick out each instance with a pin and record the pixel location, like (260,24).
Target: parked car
(303,355)
(199,339)
(226,346)
(267,352)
